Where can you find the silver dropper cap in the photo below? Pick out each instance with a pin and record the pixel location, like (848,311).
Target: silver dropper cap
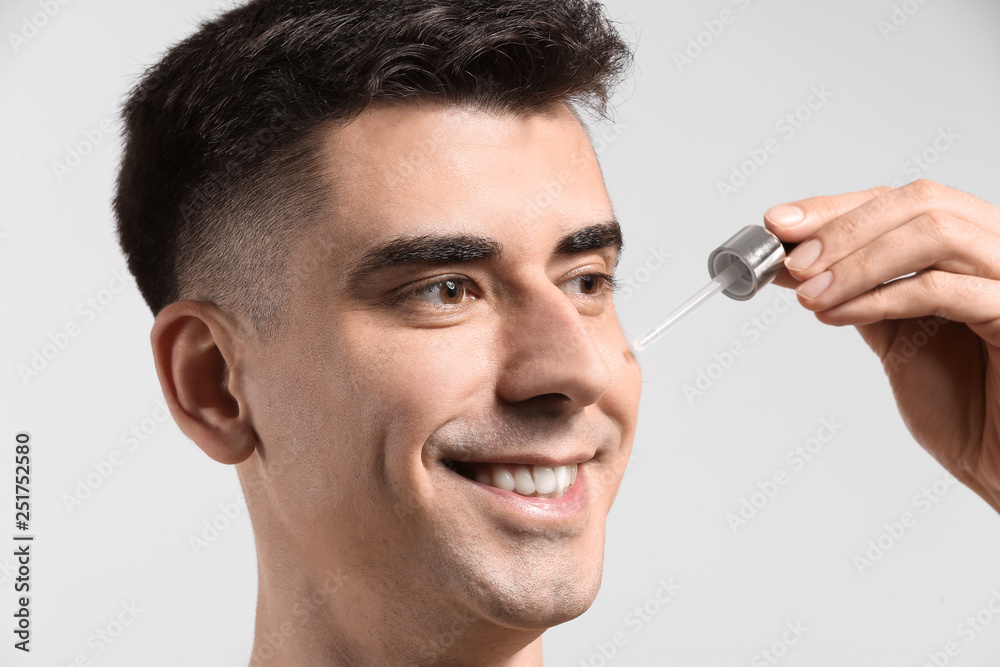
(758,252)
(739,268)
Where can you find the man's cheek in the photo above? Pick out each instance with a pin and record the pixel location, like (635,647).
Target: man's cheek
(446,364)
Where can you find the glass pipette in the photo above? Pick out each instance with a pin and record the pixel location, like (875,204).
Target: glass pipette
(742,265)
(716,285)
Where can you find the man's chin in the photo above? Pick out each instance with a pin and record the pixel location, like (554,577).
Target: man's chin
(521,563)
(547,596)
(540,613)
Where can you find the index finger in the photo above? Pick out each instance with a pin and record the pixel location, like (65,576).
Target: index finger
(796,221)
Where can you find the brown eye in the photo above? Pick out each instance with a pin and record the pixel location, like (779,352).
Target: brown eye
(592,284)
(445,293)
(452,292)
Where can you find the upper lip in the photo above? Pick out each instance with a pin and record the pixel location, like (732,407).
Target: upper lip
(516,443)
(528,459)
(549,454)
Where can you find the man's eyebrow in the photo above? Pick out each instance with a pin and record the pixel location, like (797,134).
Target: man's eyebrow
(424,249)
(450,249)
(594,237)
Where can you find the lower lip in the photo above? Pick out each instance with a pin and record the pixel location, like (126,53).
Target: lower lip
(567,506)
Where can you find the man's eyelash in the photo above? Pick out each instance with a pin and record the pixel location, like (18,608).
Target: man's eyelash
(611,285)
(401,295)
(612,282)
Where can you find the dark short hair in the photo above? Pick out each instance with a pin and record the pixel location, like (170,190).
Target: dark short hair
(221,169)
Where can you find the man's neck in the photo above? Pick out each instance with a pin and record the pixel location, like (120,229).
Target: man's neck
(339,619)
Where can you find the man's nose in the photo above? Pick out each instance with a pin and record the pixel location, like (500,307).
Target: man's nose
(548,349)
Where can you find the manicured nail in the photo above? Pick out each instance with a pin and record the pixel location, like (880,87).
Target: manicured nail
(805,255)
(815,286)
(785,215)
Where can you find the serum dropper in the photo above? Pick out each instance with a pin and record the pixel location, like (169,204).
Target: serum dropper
(739,268)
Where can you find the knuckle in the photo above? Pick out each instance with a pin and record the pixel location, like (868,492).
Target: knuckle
(958,288)
(940,226)
(937,282)
(866,261)
(852,225)
(924,190)
(880,298)
(973,286)
(856,222)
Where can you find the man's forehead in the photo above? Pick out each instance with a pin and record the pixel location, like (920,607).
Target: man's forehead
(408,176)
(393,146)
(443,122)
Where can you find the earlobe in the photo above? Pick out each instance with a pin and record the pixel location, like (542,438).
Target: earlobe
(195,350)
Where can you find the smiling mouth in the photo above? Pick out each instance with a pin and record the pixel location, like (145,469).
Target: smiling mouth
(524,480)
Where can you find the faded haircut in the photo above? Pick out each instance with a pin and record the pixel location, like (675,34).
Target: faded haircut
(222,163)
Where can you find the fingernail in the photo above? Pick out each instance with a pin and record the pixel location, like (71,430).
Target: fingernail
(815,286)
(805,255)
(785,215)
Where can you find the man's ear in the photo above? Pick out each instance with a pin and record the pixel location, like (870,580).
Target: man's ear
(195,349)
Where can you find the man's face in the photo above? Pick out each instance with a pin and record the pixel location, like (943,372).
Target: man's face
(447,337)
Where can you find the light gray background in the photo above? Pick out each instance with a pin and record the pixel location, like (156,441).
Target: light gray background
(678,131)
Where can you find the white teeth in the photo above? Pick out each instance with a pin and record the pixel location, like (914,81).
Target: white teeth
(539,481)
(502,478)
(523,483)
(562,475)
(545,479)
